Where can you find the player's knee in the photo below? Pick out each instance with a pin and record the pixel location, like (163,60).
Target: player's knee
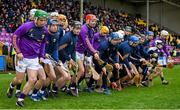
(32,80)
(19,81)
(42,77)
(67,78)
(53,77)
(130,76)
(81,71)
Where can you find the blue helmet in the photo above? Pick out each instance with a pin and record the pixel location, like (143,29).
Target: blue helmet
(150,33)
(134,39)
(114,36)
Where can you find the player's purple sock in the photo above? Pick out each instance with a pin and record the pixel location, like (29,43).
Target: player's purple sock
(21,97)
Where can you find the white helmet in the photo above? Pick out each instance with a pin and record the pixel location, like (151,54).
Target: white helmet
(120,34)
(164,33)
(54,14)
(32,12)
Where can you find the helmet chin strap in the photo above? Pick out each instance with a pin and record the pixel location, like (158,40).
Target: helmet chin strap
(130,42)
(35,21)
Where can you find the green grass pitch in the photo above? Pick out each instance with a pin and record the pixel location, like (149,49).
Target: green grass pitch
(157,96)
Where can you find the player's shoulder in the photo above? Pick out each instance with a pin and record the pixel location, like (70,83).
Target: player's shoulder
(28,24)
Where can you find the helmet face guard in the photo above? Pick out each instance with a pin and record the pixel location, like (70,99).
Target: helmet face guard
(53,22)
(133,40)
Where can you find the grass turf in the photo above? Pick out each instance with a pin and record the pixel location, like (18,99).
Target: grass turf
(157,96)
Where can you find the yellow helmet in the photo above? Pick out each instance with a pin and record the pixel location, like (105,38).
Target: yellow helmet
(104,30)
(62,17)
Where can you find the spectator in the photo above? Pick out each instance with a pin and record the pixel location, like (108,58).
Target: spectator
(14,13)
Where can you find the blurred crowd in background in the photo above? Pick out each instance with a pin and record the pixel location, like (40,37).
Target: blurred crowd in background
(15,12)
